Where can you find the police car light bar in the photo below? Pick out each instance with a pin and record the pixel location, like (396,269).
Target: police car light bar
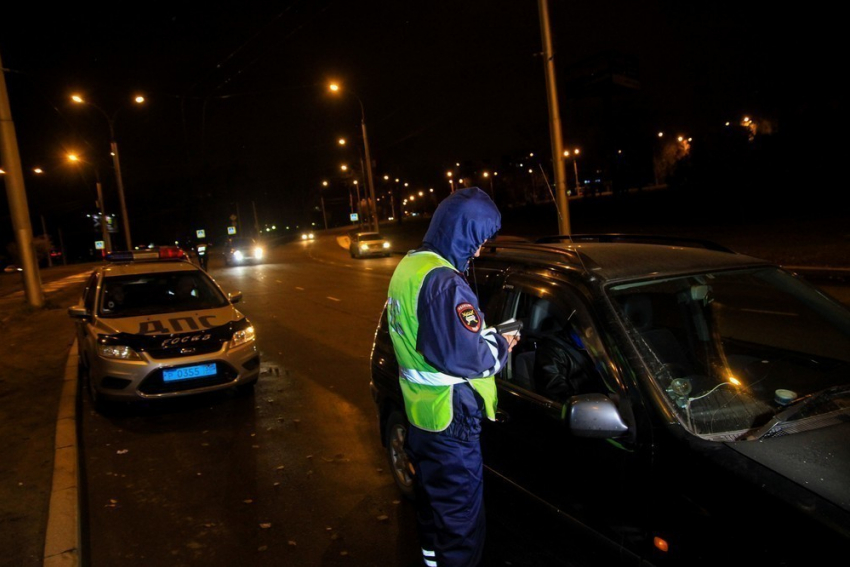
(162,253)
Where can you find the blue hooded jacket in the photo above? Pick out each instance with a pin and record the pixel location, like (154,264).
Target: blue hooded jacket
(451,343)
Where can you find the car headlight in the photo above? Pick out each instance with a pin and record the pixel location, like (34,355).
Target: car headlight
(120,352)
(303,237)
(238,255)
(242,336)
(386,244)
(258,252)
(364,246)
(311,236)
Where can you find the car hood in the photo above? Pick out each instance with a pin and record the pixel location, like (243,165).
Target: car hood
(169,323)
(818,460)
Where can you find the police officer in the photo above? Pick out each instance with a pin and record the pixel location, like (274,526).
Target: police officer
(447,360)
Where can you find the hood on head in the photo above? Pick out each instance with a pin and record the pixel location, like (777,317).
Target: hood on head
(461,224)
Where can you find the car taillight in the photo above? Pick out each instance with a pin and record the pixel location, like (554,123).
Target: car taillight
(168,252)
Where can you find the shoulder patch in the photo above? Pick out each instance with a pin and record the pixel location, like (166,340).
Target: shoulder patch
(469,317)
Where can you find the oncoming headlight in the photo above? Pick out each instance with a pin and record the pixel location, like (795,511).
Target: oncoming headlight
(238,255)
(364,246)
(258,252)
(242,336)
(386,244)
(120,352)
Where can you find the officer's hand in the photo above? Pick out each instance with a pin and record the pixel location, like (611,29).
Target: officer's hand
(512,338)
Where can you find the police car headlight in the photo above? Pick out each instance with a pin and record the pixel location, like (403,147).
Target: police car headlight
(386,244)
(120,352)
(258,252)
(242,336)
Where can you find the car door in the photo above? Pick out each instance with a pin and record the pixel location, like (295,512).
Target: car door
(593,480)
(83,326)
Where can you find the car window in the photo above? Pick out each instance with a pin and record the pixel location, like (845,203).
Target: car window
(559,346)
(729,349)
(368,236)
(134,295)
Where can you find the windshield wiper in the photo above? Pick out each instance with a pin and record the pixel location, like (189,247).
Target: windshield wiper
(804,403)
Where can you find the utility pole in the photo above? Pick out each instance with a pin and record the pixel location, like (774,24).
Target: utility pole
(17,195)
(554,121)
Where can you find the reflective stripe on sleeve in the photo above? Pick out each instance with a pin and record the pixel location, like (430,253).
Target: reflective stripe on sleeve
(429,378)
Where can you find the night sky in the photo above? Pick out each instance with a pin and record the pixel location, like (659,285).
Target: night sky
(238,116)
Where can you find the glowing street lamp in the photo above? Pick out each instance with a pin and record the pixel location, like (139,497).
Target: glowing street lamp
(336,88)
(138,99)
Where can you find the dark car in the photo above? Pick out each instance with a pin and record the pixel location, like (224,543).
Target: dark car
(243,250)
(713,427)
(363,244)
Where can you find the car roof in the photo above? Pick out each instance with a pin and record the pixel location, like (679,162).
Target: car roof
(154,267)
(615,261)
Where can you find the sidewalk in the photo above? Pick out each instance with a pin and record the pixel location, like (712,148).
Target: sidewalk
(38,421)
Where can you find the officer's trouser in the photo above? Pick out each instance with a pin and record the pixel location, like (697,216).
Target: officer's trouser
(449,489)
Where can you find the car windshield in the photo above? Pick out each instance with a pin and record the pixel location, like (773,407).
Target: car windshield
(242,242)
(143,294)
(731,350)
(367,236)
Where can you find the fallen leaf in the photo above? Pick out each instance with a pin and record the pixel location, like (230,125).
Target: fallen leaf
(383,518)
(343,553)
(122,451)
(262,548)
(248,501)
(292,543)
(279,467)
(265,525)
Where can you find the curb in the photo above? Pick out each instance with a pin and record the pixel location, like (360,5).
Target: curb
(62,540)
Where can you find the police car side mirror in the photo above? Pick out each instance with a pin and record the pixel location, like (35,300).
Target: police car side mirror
(79,312)
(235,297)
(595,416)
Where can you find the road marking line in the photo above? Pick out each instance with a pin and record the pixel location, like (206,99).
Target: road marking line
(278,281)
(299,288)
(333,298)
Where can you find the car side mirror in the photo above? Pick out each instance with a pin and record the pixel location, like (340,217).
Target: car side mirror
(594,416)
(79,312)
(235,297)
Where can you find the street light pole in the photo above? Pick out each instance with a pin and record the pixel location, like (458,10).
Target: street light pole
(369,180)
(116,162)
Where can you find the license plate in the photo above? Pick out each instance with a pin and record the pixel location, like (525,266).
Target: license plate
(188,372)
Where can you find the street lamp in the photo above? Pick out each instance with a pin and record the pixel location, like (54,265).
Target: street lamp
(138,99)
(335,88)
(74,158)
(576,152)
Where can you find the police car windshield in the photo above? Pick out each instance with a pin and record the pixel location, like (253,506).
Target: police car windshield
(167,292)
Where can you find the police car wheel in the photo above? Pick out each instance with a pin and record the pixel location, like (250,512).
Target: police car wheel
(400,465)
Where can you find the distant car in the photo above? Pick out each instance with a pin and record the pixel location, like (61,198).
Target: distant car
(152,325)
(363,244)
(244,250)
(712,427)
(308,236)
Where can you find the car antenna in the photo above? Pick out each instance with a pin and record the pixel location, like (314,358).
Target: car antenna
(570,236)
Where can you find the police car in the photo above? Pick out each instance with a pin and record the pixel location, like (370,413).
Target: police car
(153,325)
